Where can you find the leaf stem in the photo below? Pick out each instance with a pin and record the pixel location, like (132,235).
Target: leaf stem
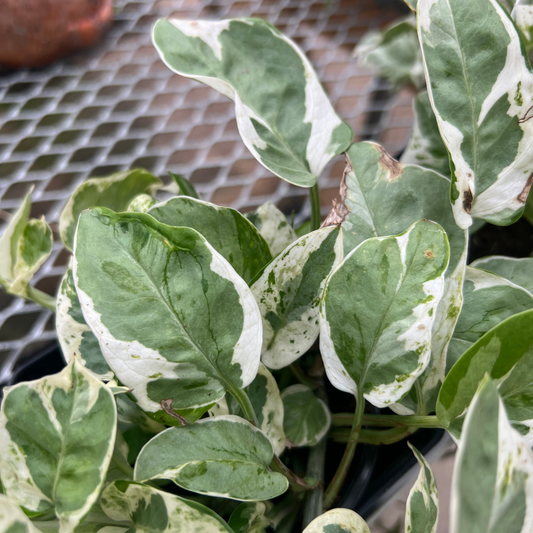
(296,483)
(41,298)
(314,502)
(428,421)
(300,375)
(376,437)
(314,196)
(244,401)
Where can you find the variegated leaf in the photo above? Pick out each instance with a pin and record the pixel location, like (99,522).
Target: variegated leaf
(522,12)
(153,511)
(288,294)
(115,192)
(306,417)
(487,300)
(283,114)
(225,229)
(13,519)
(492,487)
(422,510)
(384,197)
(141,204)
(338,521)
(119,468)
(199,332)
(425,147)
(481,95)
(273,226)
(56,442)
(517,271)
(181,186)
(378,311)
(250,517)
(224,456)
(506,354)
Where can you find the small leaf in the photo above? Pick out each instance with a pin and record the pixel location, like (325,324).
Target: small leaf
(422,511)
(12,518)
(288,294)
(62,461)
(141,204)
(307,418)
(181,186)
(115,192)
(224,456)
(279,102)
(338,521)
(225,229)
(378,311)
(250,517)
(517,271)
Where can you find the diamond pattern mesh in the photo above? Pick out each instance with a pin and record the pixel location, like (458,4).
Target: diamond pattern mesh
(117,107)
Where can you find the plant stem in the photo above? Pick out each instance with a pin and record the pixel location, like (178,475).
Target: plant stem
(245,403)
(41,298)
(300,375)
(314,502)
(297,484)
(314,197)
(342,470)
(369,436)
(428,421)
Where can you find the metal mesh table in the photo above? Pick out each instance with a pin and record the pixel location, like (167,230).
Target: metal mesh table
(117,107)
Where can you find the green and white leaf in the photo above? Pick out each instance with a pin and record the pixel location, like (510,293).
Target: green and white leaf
(384,197)
(115,192)
(517,271)
(181,186)
(283,114)
(288,294)
(506,354)
(273,226)
(225,229)
(200,329)
(13,519)
(425,147)
(338,521)
(141,203)
(153,511)
(306,418)
(224,456)
(522,14)
(119,468)
(481,95)
(378,311)
(250,517)
(394,53)
(422,509)
(488,301)
(56,441)
(492,487)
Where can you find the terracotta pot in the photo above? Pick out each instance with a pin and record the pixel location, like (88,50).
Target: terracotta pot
(34,33)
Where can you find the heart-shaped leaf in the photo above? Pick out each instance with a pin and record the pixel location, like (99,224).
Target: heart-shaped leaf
(223,456)
(13,519)
(283,114)
(517,271)
(338,521)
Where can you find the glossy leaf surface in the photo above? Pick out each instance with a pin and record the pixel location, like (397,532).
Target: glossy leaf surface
(250,517)
(338,521)
(517,271)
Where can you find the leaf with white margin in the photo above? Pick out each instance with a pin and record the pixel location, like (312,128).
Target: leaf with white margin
(487,301)
(492,486)
(338,521)
(231,234)
(56,441)
(481,95)
(422,509)
(13,519)
(199,332)
(288,294)
(250,517)
(151,510)
(273,225)
(307,418)
(114,192)
(384,197)
(283,114)
(522,13)
(223,456)
(506,354)
(378,311)
(141,204)
(425,146)
(74,335)
(517,271)
(181,186)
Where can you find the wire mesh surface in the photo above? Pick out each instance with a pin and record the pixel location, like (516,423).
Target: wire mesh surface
(117,107)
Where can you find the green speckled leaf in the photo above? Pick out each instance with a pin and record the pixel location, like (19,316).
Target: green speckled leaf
(13,519)
(283,114)
(250,517)
(517,271)
(223,456)
(338,521)
(378,311)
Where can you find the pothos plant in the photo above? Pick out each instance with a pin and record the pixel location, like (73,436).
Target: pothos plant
(190,330)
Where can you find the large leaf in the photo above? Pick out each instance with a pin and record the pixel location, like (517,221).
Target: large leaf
(493,480)
(193,328)
(153,511)
(422,509)
(480,87)
(517,271)
(306,417)
(225,229)
(250,517)
(384,197)
(224,456)
(425,147)
(506,354)
(288,294)
(488,300)
(283,114)
(338,521)
(378,311)
(56,441)
(115,192)
(12,518)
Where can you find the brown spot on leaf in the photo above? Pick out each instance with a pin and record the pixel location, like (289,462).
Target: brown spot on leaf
(393,167)
(339,210)
(166,405)
(421,327)
(429,254)
(468,199)
(522,197)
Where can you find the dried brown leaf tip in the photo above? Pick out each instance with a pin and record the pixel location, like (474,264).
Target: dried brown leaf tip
(339,210)
(522,197)
(393,167)
(166,405)
(468,199)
